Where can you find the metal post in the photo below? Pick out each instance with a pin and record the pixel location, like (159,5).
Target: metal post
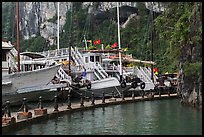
(92,99)
(25,109)
(123,98)
(159,92)
(133,96)
(56,104)
(169,89)
(8,109)
(69,102)
(142,93)
(82,101)
(40,105)
(112,94)
(103,98)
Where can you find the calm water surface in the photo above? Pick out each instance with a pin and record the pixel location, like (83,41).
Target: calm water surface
(158,117)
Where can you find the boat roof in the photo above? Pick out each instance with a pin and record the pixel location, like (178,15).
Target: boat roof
(102,51)
(33,55)
(129,60)
(6,45)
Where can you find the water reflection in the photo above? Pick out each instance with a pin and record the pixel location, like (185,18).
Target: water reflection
(159,117)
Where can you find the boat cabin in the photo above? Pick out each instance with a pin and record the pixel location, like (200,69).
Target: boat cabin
(32,61)
(92,59)
(7,57)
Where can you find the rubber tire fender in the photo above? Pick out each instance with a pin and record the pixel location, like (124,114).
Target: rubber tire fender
(142,85)
(134,84)
(88,86)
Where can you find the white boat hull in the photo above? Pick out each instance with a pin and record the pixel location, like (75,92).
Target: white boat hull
(14,83)
(109,86)
(17,99)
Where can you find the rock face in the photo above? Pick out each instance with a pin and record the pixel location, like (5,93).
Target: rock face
(193,97)
(190,87)
(40,18)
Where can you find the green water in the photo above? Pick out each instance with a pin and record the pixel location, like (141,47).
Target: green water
(158,117)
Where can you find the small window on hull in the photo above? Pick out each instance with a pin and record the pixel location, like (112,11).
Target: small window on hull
(92,58)
(97,59)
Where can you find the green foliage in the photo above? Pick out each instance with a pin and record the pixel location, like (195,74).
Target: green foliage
(34,44)
(8,21)
(193,69)
(179,25)
(92,48)
(108,47)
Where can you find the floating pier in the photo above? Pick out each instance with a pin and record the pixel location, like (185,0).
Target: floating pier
(14,120)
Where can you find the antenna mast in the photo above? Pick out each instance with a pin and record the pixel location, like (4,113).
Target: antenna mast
(58,25)
(120,59)
(18,34)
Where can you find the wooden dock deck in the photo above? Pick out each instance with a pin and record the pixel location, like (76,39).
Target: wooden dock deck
(77,107)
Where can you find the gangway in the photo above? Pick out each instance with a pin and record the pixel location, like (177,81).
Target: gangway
(145,74)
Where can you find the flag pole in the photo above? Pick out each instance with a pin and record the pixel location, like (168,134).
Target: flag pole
(18,34)
(85,41)
(58,25)
(120,59)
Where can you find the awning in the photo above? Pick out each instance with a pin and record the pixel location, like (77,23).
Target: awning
(33,55)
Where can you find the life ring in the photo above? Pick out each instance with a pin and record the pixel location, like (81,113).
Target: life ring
(142,85)
(134,84)
(123,84)
(88,86)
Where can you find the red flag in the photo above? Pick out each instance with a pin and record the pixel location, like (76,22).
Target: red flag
(114,45)
(155,70)
(97,42)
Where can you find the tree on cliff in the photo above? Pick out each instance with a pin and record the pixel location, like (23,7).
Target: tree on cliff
(180,26)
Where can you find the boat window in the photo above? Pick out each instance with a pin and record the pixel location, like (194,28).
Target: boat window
(92,58)
(3,56)
(26,67)
(86,59)
(22,68)
(97,58)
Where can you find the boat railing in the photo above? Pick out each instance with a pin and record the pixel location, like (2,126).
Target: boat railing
(55,52)
(75,57)
(140,74)
(12,63)
(148,70)
(78,57)
(96,68)
(110,67)
(14,52)
(128,69)
(96,74)
(102,70)
(61,74)
(145,74)
(79,54)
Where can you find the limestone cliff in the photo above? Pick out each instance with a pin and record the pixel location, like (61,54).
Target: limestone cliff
(40,18)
